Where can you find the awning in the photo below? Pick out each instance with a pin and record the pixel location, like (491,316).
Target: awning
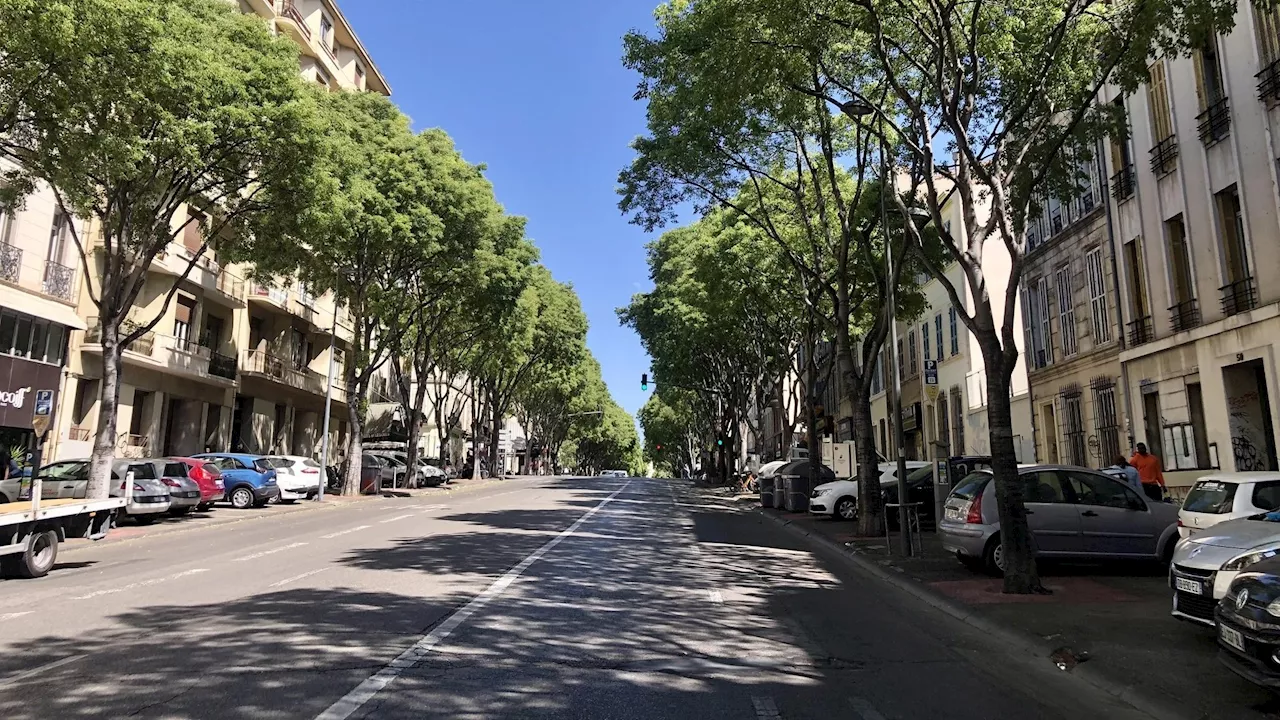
(32,304)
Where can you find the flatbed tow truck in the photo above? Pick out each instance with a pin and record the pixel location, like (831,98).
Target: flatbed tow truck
(32,527)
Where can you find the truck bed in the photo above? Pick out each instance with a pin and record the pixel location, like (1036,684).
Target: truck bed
(26,511)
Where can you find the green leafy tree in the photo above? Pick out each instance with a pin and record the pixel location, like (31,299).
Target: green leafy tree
(674,432)
(134,111)
(550,405)
(608,443)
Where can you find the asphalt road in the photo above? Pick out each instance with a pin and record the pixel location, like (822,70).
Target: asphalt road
(569,598)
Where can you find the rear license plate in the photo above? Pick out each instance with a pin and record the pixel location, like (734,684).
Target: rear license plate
(1195,587)
(1231,637)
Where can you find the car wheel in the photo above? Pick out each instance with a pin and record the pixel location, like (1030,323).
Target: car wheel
(847,508)
(241,498)
(143,519)
(3,498)
(37,559)
(993,556)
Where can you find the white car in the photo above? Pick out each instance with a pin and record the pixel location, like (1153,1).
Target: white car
(428,474)
(1227,496)
(840,498)
(614,473)
(1205,563)
(299,477)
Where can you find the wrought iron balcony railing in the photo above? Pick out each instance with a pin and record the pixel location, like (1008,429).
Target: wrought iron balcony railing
(1185,315)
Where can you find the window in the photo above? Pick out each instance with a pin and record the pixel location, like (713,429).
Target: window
(1099,313)
(902,358)
(1121,158)
(884,438)
(299,350)
(1235,258)
(1107,421)
(360,77)
(1137,279)
(1199,429)
(184,312)
(58,238)
(1208,74)
(193,233)
(1076,454)
(1267,23)
(924,340)
(8,217)
(957,422)
(955,333)
(22,336)
(1158,102)
(1179,261)
(944,418)
(1040,326)
(1102,491)
(322,77)
(1042,487)
(913,361)
(877,374)
(1266,495)
(937,333)
(1066,311)
(39,339)
(326,33)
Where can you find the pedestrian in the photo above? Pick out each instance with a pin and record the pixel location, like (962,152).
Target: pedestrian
(1130,473)
(1148,467)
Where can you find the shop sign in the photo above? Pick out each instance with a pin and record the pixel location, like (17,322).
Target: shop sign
(26,387)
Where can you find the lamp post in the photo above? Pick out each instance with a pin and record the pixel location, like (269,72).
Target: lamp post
(328,399)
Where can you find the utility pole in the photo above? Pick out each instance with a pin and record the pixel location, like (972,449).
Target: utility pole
(891,298)
(328,401)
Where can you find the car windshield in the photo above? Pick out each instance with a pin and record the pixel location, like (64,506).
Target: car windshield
(212,470)
(971,485)
(1211,496)
(261,465)
(175,470)
(142,471)
(67,470)
(920,474)
(278,462)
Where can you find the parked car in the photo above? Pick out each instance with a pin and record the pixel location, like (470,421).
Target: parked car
(1228,496)
(248,480)
(1205,563)
(1248,623)
(184,493)
(70,479)
(207,476)
(613,473)
(839,499)
(1072,512)
(387,471)
(299,477)
(429,475)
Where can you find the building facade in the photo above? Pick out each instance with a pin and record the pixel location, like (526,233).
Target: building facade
(231,364)
(1196,216)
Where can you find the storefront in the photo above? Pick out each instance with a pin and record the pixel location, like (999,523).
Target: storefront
(20,381)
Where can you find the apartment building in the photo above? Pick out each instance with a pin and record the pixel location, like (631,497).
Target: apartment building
(39,284)
(1195,216)
(952,411)
(231,364)
(1074,329)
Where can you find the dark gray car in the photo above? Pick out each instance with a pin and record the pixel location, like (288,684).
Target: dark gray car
(184,493)
(1073,512)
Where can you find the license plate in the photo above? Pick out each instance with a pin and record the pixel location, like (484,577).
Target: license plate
(1195,587)
(1231,637)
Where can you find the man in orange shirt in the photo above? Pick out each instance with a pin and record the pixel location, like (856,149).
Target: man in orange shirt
(1149,472)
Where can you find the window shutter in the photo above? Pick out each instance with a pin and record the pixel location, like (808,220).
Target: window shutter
(1197,62)
(193,234)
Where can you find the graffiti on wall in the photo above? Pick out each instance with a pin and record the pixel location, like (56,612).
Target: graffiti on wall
(1244,408)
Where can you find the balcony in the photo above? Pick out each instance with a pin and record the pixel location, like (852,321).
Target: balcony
(1239,296)
(1269,84)
(1185,315)
(276,296)
(133,446)
(168,353)
(1215,122)
(1164,156)
(1140,331)
(263,364)
(1123,183)
(230,285)
(10,263)
(79,433)
(292,20)
(223,366)
(59,281)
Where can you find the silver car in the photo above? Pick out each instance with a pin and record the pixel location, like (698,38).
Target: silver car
(1205,563)
(1072,512)
(70,479)
(184,493)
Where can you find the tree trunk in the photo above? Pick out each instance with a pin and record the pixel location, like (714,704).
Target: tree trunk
(104,443)
(870,502)
(495,437)
(1020,573)
(414,427)
(355,431)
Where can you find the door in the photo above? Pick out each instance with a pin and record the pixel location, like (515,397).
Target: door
(1050,434)
(1052,517)
(64,480)
(1113,519)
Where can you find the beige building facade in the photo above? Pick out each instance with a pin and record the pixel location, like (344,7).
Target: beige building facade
(1195,202)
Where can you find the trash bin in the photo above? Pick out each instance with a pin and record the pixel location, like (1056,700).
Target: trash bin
(766,492)
(779,492)
(797,495)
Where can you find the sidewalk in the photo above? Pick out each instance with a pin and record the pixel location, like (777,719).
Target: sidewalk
(1107,622)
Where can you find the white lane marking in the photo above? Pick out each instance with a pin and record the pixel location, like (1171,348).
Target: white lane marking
(272,551)
(143,583)
(429,508)
(364,692)
(331,536)
(10,616)
(715,596)
(398,517)
(42,669)
(766,709)
(864,709)
(307,574)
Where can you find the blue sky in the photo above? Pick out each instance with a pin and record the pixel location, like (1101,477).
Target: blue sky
(536,91)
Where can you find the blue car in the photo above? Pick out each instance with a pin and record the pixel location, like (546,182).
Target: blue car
(248,480)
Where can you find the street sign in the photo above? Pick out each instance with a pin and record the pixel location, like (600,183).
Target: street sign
(930,372)
(42,412)
(931,391)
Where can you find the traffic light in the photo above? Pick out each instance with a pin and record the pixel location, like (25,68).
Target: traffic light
(719,441)
(644,381)
(658,446)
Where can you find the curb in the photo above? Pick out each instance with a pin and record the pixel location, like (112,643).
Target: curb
(1017,639)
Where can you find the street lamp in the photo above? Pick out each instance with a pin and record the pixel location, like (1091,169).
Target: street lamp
(856,108)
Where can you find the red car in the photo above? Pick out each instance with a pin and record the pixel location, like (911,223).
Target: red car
(207,476)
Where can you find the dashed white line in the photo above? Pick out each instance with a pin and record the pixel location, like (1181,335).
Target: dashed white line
(864,709)
(144,583)
(398,517)
(364,692)
(272,551)
(40,670)
(331,536)
(307,574)
(10,616)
